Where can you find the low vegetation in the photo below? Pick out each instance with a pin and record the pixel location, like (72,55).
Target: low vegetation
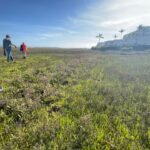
(74,100)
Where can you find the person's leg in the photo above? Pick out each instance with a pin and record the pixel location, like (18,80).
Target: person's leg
(8,54)
(22,54)
(25,55)
(11,57)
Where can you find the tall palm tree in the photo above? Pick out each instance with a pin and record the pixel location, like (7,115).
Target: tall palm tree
(122,31)
(100,36)
(115,36)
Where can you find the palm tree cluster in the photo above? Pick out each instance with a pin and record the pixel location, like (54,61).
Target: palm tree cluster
(100,36)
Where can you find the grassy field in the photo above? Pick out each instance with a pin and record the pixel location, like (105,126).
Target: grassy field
(74,100)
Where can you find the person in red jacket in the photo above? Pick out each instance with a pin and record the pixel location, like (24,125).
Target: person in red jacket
(23,48)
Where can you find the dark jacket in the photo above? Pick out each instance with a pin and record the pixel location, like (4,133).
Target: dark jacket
(4,41)
(7,44)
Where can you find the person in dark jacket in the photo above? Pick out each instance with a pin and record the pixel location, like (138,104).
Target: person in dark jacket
(8,47)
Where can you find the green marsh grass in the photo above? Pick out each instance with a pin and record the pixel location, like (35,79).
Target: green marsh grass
(72,100)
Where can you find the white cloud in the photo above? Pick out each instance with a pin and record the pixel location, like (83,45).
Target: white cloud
(112,15)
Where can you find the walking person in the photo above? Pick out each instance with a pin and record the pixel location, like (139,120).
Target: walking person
(23,49)
(8,47)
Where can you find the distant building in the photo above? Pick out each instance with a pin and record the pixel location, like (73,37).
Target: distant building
(139,39)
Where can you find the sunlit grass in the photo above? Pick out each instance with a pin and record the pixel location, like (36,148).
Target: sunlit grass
(75,100)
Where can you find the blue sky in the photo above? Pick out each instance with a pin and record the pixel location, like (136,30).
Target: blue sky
(69,23)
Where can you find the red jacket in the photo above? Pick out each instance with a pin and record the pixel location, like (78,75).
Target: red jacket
(24,47)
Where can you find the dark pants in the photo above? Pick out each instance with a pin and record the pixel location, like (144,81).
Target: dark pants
(9,54)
